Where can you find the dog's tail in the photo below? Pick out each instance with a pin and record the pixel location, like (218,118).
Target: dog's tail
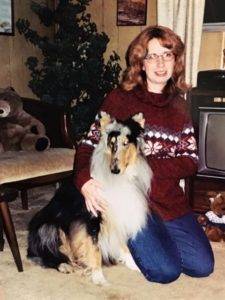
(43,246)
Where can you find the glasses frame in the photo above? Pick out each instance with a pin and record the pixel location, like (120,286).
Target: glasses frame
(153,57)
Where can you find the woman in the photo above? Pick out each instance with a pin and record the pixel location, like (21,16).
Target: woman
(172,242)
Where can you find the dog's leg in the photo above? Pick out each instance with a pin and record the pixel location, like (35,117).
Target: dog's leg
(66,250)
(87,254)
(127,259)
(94,262)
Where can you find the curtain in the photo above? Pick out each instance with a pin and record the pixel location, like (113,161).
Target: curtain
(185,17)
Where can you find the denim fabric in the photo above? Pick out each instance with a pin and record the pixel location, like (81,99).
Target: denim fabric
(165,249)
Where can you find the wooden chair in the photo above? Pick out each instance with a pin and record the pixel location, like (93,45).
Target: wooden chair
(22,170)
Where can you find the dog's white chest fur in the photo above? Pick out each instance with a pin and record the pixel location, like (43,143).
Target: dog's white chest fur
(127,207)
(126,197)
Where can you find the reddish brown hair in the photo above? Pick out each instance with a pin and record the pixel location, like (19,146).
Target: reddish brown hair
(134,74)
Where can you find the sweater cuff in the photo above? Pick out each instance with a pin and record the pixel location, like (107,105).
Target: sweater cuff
(81,178)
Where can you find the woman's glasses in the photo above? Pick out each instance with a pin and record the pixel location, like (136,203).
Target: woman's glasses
(166,56)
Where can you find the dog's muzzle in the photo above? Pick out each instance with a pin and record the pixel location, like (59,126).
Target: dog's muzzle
(114,166)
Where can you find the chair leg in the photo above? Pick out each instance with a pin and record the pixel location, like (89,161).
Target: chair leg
(24,199)
(10,234)
(2,241)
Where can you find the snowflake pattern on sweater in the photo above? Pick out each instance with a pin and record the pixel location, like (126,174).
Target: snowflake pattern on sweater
(160,143)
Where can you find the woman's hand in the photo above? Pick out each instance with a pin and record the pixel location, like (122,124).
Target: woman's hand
(92,192)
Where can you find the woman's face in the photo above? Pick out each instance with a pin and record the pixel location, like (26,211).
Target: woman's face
(158,65)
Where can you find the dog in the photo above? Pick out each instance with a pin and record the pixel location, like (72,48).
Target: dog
(66,236)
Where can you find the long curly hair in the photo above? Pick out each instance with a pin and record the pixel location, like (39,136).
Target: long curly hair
(134,74)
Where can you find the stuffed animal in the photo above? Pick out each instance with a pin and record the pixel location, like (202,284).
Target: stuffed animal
(18,129)
(214,220)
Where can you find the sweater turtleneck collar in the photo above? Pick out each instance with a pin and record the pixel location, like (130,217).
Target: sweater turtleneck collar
(156,99)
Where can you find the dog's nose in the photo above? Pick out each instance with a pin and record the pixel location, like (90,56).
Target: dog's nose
(115,171)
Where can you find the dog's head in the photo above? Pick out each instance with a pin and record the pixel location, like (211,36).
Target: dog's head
(122,140)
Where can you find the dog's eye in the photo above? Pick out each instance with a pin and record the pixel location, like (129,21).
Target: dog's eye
(125,143)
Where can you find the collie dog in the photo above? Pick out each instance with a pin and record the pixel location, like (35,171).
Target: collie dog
(66,236)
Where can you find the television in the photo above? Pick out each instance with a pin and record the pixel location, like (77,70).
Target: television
(208,114)
(211,141)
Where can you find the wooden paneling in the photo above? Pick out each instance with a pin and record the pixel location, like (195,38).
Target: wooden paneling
(151,13)
(96,10)
(109,25)
(125,35)
(5,79)
(211,53)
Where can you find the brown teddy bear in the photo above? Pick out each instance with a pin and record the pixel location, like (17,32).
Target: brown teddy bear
(214,220)
(18,129)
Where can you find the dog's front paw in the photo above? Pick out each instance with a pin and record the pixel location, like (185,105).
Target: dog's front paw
(132,265)
(65,268)
(128,261)
(98,278)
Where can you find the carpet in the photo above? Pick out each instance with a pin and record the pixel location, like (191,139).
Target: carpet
(37,283)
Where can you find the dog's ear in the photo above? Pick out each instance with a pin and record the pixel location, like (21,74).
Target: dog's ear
(104,119)
(139,118)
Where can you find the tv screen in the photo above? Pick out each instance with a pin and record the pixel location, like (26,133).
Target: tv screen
(212,141)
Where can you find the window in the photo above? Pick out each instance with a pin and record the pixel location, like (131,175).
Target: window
(214,15)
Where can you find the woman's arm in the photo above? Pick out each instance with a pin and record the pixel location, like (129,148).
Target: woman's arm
(185,162)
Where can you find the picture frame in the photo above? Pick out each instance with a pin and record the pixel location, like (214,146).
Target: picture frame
(6,17)
(131,12)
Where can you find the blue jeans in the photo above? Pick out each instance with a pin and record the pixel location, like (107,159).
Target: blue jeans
(165,249)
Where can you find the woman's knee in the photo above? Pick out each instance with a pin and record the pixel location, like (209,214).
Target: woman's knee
(201,268)
(205,270)
(164,274)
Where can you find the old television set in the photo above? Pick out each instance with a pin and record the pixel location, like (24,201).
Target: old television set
(208,114)
(211,141)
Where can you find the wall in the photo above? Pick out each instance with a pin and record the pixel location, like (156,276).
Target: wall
(15,50)
(211,53)
(103,12)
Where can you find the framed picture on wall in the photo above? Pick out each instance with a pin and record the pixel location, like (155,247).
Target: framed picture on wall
(131,12)
(6,17)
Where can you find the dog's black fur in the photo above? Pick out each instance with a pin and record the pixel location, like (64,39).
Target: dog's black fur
(66,206)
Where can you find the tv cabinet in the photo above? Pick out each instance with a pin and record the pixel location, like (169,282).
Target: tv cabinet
(200,186)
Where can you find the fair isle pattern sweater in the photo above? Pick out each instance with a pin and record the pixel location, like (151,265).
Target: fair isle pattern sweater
(170,146)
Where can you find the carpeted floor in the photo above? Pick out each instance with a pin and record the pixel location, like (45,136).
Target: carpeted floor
(36,283)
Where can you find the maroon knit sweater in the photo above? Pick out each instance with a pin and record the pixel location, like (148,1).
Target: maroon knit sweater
(170,145)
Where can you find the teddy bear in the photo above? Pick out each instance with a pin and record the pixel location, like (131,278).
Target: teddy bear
(214,220)
(18,129)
